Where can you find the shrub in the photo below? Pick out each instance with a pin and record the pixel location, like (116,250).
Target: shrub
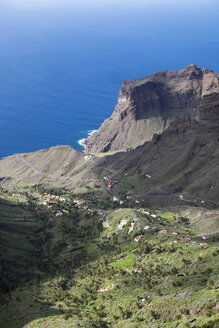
(139,319)
(208,313)
(202,281)
(67,315)
(155,315)
(178,317)
(210,305)
(185,311)
(173,270)
(187,324)
(211,324)
(177,283)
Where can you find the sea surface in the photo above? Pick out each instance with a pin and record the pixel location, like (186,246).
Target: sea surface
(61,67)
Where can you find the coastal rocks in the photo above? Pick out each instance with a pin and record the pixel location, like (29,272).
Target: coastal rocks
(148,106)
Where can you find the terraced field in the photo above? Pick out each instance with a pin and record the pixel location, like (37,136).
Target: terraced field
(89,274)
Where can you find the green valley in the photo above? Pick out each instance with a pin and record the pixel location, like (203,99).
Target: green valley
(67,264)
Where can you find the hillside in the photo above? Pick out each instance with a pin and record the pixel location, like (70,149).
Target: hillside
(57,166)
(180,162)
(110,267)
(147,106)
(20,243)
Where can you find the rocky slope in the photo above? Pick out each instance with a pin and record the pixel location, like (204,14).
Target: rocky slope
(149,105)
(57,166)
(183,160)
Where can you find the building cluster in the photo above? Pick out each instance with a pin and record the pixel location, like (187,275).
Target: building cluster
(138,238)
(48,197)
(81,205)
(15,195)
(122,223)
(110,287)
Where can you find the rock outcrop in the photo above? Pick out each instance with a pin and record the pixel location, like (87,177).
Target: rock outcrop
(149,105)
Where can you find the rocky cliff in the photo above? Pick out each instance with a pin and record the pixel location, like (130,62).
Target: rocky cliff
(149,105)
(183,160)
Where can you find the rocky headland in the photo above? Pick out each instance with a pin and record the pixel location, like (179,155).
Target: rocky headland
(148,106)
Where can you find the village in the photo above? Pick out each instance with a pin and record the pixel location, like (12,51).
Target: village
(59,206)
(135,220)
(52,201)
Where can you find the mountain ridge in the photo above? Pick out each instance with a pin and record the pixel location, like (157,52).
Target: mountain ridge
(148,106)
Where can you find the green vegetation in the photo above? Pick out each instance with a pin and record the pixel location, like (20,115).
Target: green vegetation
(125,263)
(168,216)
(56,269)
(20,242)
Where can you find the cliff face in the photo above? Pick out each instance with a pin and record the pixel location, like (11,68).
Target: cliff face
(149,105)
(183,160)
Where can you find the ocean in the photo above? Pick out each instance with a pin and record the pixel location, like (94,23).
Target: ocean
(61,67)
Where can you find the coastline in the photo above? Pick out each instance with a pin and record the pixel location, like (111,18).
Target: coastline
(82,142)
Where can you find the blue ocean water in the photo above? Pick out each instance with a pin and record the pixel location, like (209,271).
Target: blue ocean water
(61,67)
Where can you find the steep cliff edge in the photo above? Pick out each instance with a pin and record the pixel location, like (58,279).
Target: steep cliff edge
(148,106)
(183,160)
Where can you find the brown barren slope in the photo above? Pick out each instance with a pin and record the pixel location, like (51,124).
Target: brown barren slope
(149,105)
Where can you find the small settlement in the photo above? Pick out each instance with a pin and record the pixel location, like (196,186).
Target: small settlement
(51,201)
